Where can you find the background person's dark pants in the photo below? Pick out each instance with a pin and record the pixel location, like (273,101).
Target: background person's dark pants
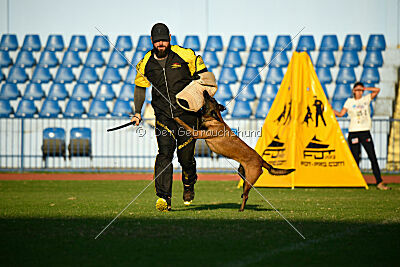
(364,138)
(170,135)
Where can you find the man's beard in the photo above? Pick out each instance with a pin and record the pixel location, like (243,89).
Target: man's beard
(162,54)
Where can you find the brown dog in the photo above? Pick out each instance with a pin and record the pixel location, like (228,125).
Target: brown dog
(221,139)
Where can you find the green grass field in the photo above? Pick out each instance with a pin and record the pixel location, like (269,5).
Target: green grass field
(51,223)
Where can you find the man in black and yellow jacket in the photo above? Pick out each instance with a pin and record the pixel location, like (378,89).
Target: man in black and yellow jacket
(169,69)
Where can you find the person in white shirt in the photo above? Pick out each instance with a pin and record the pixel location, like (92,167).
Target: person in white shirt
(358,110)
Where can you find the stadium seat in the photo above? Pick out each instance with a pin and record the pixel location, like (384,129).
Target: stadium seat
(269,91)
(55,43)
(373,59)
(94,59)
(57,92)
(370,75)
(98,108)
(31,43)
(232,60)
(263,108)
(78,43)
(117,60)
(9,42)
(260,43)
(237,43)
(192,42)
(9,91)
(74,109)
(64,75)
(279,59)
(246,92)
(342,92)
(325,59)
(5,59)
(144,43)
(111,75)
(251,75)
(349,59)
(80,92)
(223,93)
(338,105)
(124,43)
(104,92)
(210,59)
(148,96)
(323,85)
(48,59)
(255,59)
(2,76)
(80,143)
(214,43)
(376,42)
(324,75)
(33,91)
(241,109)
(88,75)
(127,91)
(5,108)
(174,41)
(25,59)
(346,75)
(100,43)
(53,143)
(71,59)
(50,109)
(306,43)
(26,109)
(228,75)
(352,42)
(329,43)
(122,108)
(274,76)
(17,75)
(131,75)
(139,55)
(283,42)
(41,75)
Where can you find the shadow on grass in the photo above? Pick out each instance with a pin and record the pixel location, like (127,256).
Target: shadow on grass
(227,206)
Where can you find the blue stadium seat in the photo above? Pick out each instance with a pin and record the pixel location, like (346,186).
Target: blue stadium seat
(326,59)
(48,59)
(323,85)
(139,55)
(210,59)
(279,59)
(223,93)
(232,60)
(174,41)
(100,43)
(346,75)
(283,42)
(88,75)
(373,59)
(104,92)
(5,108)
(95,59)
(64,75)
(370,75)
(33,91)
(117,60)
(31,43)
(2,76)
(255,59)
(124,43)
(5,59)
(131,75)
(127,91)
(338,105)
(78,43)
(214,43)
(53,143)
(74,109)
(80,143)
(228,75)
(41,75)
(98,108)
(71,59)
(237,43)
(352,42)
(122,108)
(329,43)
(81,92)
(269,91)
(111,75)
(342,92)
(263,108)
(324,75)
(306,43)
(260,43)
(26,109)
(9,42)
(9,91)
(50,109)
(246,92)
(17,75)
(349,59)
(274,76)
(192,42)
(148,96)
(241,109)
(376,42)
(251,75)
(55,43)
(57,92)
(25,59)
(144,43)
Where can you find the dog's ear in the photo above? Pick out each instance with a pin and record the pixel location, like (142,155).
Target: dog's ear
(221,107)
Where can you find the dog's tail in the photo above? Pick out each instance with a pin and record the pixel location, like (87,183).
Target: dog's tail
(276,171)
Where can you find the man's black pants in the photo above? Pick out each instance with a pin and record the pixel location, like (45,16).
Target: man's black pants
(170,135)
(364,138)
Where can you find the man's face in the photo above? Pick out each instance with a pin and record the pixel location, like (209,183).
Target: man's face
(358,91)
(161,48)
